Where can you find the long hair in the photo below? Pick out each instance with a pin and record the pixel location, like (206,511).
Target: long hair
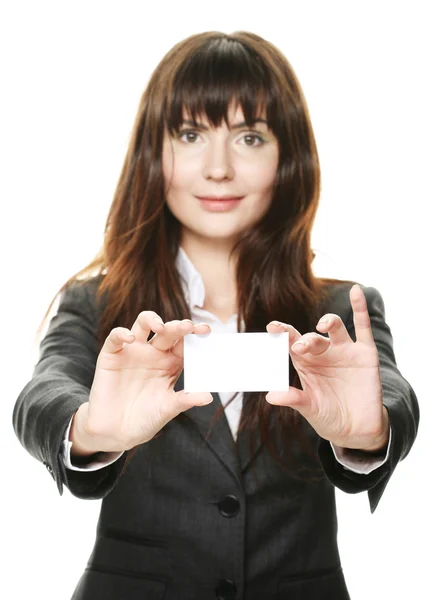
(135,267)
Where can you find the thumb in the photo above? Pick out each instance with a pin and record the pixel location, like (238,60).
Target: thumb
(293,397)
(187,400)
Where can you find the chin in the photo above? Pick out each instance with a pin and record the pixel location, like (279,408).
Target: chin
(218,234)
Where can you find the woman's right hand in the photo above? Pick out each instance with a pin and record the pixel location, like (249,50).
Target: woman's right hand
(132,396)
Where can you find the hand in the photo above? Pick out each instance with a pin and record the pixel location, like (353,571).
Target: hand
(342,393)
(132,396)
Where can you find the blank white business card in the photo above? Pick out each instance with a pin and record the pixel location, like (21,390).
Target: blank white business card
(236,362)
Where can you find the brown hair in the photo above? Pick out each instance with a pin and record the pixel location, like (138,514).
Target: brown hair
(136,264)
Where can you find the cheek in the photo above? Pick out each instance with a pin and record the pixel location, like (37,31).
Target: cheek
(261,174)
(167,166)
(180,173)
(269,171)
(261,185)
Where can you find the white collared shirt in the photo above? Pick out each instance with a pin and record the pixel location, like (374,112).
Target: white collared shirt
(193,289)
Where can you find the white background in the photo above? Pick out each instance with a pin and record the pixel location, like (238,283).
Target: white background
(72,76)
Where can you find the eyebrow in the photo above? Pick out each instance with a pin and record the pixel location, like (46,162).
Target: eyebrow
(236,126)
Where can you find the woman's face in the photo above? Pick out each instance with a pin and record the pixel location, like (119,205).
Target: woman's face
(233,162)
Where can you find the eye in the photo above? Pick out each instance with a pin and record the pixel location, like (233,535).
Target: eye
(186,132)
(256,137)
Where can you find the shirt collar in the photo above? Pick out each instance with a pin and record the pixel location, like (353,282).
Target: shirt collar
(191,280)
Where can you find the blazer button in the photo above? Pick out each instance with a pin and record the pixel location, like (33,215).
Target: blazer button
(229,506)
(226,590)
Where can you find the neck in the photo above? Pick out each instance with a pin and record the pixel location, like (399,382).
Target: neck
(218,272)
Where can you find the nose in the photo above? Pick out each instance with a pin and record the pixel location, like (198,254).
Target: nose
(218,161)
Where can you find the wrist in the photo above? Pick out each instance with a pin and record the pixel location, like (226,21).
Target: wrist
(380,442)
(83,444)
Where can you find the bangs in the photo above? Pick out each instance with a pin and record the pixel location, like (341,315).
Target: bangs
(222,72)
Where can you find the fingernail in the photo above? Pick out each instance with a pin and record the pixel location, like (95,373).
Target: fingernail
(323,320)
(275,323)
(301,342)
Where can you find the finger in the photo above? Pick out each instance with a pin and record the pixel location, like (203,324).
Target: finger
(334,326)
(146,321)
(278,327)
(311,343)
(178,348)
(180,401)
(362,323)
(116,340)
(172,331)
(293,397)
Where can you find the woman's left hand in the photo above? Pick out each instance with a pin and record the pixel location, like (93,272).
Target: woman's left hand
(342,393)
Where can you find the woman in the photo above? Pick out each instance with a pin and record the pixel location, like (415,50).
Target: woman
(204,495)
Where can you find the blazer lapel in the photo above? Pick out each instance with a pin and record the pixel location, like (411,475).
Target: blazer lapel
(220,439)
(244,438)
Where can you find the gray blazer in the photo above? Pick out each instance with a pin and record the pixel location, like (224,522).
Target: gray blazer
(189,519)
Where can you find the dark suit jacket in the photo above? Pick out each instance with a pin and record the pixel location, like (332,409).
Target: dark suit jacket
(189,519)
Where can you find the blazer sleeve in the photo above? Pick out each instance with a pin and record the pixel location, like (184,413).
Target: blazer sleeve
(60,383)
(399,399)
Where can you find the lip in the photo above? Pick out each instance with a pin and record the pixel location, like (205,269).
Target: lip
(219,198)
(220,203)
